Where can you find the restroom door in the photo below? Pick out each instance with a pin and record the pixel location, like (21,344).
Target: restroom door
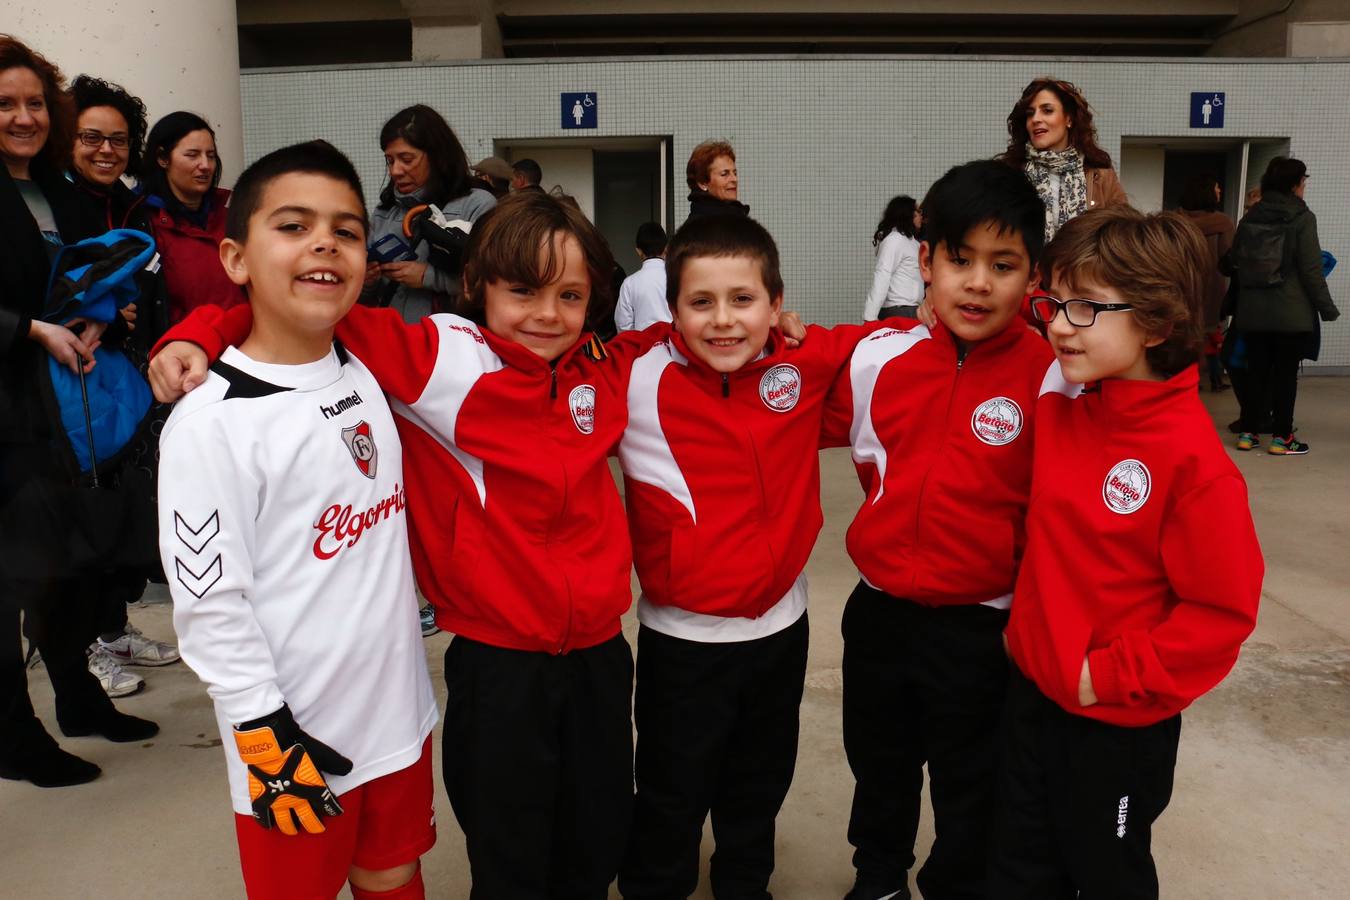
(627,193)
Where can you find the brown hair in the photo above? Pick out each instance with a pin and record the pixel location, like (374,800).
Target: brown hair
(720,237)
(1159,264)
(701,160)
(505,245)
(1082,136)
(14,54)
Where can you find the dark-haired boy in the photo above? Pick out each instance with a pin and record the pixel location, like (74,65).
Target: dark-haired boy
(938,419)
(722,484)
(283,533)
(642,297)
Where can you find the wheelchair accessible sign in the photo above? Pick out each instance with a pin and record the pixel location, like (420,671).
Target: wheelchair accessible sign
(1207,109)
(580,110)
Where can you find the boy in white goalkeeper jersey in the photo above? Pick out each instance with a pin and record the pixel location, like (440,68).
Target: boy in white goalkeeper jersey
(284,538)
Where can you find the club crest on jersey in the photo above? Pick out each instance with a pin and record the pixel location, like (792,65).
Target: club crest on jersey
(1127,486)
(997,421)
(361,443)
(582,403)
(781,387)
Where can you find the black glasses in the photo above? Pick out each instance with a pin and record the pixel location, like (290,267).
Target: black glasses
(91,138)
(1080,313)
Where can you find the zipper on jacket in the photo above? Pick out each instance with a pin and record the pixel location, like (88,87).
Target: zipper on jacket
(553,384)
(726,384)
(923,484)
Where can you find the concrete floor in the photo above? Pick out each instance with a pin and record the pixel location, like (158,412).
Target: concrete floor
(1262,801)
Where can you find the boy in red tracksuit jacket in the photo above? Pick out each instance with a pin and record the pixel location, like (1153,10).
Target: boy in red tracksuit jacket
(518,539)
(1127,609)
(722,481)
(940,425)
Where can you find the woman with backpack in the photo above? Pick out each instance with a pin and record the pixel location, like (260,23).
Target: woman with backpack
(1278,263)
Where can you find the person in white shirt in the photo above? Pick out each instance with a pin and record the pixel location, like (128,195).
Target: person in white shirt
(642,298)
(897,286)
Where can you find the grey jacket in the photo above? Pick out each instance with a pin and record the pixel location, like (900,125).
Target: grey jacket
(1292,306)
(440,290)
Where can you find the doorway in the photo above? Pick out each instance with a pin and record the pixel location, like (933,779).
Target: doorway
(619,183)
(1154,171)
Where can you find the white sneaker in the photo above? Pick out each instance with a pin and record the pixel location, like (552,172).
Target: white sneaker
(116,681)
(135,649)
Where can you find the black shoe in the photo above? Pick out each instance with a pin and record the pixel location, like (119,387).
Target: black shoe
(50,767)
(876,889)
(113,725)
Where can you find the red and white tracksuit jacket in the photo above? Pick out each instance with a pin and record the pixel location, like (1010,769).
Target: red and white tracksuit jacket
(517,531)
(942,443)
(1141,553)
(722,471)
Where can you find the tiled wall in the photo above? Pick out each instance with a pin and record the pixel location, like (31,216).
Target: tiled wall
(823,142)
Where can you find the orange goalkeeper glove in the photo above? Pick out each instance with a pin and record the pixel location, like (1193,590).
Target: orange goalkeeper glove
(283,772)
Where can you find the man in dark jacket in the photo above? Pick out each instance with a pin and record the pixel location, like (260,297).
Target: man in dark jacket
(1278,262)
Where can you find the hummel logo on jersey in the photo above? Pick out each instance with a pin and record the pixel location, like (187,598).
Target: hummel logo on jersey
(337,409)
(1122,808)
(198,583)
(195,540)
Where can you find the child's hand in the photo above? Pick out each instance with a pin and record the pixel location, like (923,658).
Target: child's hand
(1086,695)
(64,345)
(925,314)
(177,369)
(791,325)
(409,273)
(372,273)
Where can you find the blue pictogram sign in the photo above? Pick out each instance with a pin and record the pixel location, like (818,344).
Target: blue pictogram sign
(580,110)
(1207,109)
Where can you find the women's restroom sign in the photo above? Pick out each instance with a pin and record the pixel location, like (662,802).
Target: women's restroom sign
(1207,109)
(580,110)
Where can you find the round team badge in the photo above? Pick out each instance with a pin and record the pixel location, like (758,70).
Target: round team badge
(997,421)
(1127,486)
(582,403)
(781,387)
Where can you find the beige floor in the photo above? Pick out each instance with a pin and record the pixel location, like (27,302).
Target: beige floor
(1262,804)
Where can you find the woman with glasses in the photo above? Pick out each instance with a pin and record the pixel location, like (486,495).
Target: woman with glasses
(1052,139)
(180,177)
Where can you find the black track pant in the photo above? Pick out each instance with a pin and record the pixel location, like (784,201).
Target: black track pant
(1272,379)
(1078,799)
(538,763)
(922,685)
(717,732)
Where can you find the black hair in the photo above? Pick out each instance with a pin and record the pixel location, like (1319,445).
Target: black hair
(651,239)
(1197,194)
(899,216)
(166,134)
(1283,174)
(312,157)
(422,127)
(985,191)
(529,170)
(89,92)
(722,236)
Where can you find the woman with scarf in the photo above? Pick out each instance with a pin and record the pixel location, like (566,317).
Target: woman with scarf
(713,181)
(426,164)
(1051,137)
(180,178)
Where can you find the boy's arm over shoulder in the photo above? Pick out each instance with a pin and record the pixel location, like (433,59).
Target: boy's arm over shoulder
(839,345)
(208,504)
(401,355)
(212,328)
(1218,588)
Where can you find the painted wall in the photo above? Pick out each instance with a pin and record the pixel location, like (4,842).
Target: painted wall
(822,142)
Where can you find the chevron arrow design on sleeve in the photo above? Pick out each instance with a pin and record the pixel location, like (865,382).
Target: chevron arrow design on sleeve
(198,583)
(196,539)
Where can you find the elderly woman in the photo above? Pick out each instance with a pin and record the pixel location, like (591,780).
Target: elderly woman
(1051,137)
(180,176)
(426,164)
(39,211)
(711,174)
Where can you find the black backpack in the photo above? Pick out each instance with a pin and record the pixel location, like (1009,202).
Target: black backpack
(1259,249)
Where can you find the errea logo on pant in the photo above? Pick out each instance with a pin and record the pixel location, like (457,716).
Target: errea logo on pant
(1122,809)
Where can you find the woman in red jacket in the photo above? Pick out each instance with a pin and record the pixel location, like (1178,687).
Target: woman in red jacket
(1126,610)
(181,178)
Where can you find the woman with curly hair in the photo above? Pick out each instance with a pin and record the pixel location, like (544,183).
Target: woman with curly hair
(897,286)
(426,164)
(1051,137)
(39,497)
(713,182)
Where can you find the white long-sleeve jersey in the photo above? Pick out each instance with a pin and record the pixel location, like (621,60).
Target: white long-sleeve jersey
(284,538)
